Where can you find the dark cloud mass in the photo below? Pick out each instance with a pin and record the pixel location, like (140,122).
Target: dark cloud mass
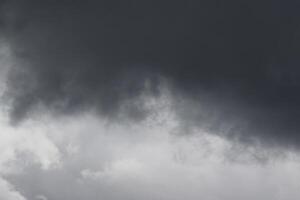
(238,57)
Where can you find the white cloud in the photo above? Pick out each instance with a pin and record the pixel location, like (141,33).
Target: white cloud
(41,197)
(7,192)
(84,157)
(21,147)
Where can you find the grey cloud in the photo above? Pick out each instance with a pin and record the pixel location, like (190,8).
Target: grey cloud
(111,165)
(237,59)
(87,158)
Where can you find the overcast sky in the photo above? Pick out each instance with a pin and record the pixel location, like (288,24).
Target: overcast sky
(149,100)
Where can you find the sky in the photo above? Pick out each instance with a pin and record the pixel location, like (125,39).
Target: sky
(149,100)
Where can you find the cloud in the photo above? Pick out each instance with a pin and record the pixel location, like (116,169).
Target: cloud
(149,100)
(7,192)
(237,60)
(146,161)
(41,197)
(21,147)
(84,156)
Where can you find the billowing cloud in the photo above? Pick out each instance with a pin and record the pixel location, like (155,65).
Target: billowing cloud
(7,192)
(20,147)
(146,161)
(149,100)
(84,156)
(237,59)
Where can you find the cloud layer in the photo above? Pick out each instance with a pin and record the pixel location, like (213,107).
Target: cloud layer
(237,59)
(146,161)
(149,100)
(84,156)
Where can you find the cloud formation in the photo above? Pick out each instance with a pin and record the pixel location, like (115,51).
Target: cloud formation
(58,157)
(231,66)
(145,161)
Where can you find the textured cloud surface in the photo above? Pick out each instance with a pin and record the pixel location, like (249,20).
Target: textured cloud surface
(238,59)
(145,161)
(149,99)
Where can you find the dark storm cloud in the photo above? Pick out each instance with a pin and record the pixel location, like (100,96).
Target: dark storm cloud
(238,57)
